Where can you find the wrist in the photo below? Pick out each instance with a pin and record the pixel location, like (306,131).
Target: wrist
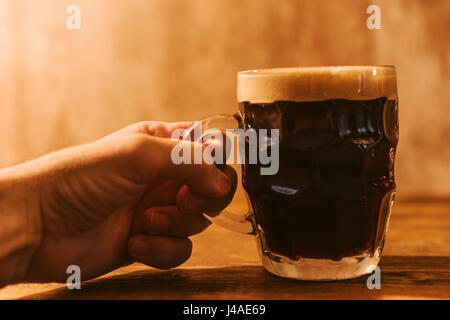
(20,223)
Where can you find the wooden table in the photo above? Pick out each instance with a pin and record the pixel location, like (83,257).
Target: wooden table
(225,265)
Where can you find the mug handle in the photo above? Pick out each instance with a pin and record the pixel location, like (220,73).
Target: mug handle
(226,219)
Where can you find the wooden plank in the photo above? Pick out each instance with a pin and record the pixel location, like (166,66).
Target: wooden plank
(401,277)
(415,264)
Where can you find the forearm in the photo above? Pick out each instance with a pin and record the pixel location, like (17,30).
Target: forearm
(20,223)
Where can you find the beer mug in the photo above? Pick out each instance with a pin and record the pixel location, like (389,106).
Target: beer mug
(322,212)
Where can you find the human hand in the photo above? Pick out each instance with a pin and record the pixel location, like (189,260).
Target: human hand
(120,199)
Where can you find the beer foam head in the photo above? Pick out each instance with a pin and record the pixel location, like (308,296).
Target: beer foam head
(317,84)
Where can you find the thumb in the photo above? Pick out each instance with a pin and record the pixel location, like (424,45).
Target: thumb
(151,157)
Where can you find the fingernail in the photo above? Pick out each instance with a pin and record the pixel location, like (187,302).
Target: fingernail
(139,248)
(223,183)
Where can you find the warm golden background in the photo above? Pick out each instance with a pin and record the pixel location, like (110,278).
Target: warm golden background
(177,60)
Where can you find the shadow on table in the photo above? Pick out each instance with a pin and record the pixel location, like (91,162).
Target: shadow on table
(401,277)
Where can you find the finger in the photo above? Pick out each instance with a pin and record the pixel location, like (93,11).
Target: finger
(160,193)
(169,221)
(202,178)
(191,203)
(165,129)
(148,158)
(159,252)
(153,128)
(143,158)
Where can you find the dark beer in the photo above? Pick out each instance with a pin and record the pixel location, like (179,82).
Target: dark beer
(332,194)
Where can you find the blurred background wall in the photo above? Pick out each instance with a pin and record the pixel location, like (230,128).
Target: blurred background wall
(177,60)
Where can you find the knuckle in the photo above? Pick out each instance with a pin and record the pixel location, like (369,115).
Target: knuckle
(146,127)
(155,128)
